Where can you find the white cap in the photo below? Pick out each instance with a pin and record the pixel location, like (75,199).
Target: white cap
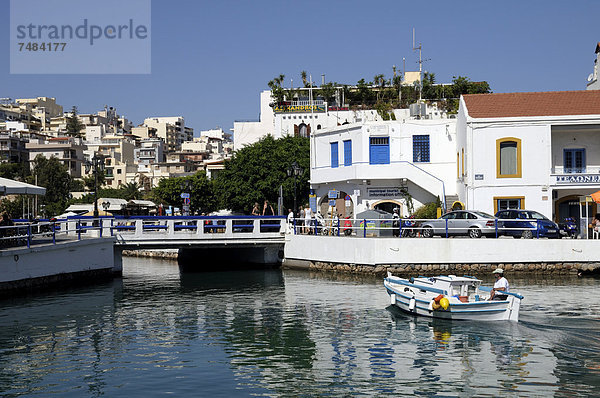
(498,271)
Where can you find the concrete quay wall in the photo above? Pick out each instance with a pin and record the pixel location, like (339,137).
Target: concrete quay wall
(44,265)
(419,256)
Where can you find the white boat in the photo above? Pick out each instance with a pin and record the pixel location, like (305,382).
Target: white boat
(466,298)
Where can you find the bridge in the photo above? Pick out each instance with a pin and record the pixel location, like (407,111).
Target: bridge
(246,239)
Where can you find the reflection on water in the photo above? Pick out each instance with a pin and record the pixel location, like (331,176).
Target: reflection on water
(274,333)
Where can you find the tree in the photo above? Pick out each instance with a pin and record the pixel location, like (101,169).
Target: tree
(256,171)
(131,190)
(14,171)
(304,77)
(52,175)
(327,91)
(74,126)
(277,91)
(202,198)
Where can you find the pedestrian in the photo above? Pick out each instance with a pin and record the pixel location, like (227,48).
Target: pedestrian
(308,219)
(268,209)
(396,223)
(290,221)
(255,210)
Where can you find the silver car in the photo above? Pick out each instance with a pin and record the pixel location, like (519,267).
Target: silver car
(462,222)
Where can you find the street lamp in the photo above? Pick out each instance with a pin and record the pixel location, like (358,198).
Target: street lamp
(96,165)
(294,170)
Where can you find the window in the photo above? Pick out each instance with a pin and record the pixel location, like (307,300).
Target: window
(457,165)
(348,153)
(379,150)
(334,154)
(508,158)
(574,160)
(420,148)
(508,203)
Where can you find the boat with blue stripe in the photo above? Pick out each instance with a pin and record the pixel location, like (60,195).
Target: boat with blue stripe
(451,297)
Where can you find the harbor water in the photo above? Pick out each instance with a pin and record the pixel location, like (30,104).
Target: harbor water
(157,331)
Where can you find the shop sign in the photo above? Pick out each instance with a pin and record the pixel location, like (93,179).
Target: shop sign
(384,192)
(298,108)
(578,179)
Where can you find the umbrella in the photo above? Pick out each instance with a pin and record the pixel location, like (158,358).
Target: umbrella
(12,187)
(596,197)
(101,213)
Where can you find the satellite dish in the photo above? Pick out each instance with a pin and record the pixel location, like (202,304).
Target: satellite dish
(590,77)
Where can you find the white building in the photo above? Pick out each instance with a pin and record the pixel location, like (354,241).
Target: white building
(301,118)
(539,151)
(171,129)
(593,83)
(401,164)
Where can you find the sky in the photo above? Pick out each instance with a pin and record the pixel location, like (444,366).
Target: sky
(211,59)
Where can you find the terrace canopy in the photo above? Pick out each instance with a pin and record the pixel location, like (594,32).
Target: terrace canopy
(12,187)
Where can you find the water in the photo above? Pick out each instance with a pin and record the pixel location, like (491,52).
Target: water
(290,333)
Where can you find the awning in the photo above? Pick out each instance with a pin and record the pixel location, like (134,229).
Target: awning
(12,187)
(596,197)
(141,203)
(111,204)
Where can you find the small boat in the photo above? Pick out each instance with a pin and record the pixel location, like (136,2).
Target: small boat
(451,297)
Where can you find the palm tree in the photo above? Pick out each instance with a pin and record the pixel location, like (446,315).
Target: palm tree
(131,190)
(304,77)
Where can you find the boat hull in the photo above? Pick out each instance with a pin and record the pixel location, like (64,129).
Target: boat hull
(418,303)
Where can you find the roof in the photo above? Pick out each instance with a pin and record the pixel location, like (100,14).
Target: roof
(552,103)
(12,187)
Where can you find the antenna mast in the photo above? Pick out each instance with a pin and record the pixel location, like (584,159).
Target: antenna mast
(420,67)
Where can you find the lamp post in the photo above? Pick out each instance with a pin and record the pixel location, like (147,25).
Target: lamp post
(294,170)
(95,165)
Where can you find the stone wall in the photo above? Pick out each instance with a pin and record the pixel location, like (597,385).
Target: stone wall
(445,269)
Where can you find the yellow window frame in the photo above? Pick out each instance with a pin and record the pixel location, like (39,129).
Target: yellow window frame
(497,198)
(519,169)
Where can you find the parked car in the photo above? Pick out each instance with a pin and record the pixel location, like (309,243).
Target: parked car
(461,222)
(527,224)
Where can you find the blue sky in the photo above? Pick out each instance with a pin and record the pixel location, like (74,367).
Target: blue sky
(210,59)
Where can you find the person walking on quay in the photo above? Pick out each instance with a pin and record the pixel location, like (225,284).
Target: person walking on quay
(290,222)
(396,223)
(501,285)
(308,219)
(255,210)
(268,209)
(302,220)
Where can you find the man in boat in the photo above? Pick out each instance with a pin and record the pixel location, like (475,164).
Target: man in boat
(500,286)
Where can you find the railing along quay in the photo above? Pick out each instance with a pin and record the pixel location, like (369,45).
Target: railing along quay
(207,228)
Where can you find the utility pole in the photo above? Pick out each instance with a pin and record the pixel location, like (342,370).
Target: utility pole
(420,66)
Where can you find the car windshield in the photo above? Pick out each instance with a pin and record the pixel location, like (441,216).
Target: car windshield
(482,214)
(533,215)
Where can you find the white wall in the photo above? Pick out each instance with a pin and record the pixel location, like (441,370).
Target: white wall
(375,251)
(424,180)
(62,258)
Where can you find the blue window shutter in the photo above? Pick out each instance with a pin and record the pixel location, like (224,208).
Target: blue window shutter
(379,150)
(348,153)
(334,154)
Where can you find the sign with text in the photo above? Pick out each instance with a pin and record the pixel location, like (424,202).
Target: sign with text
(578,179)
(384,192)
(298,108)
(333,194)
(80,37)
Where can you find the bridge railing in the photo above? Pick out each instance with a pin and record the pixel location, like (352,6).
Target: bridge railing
(195,227)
